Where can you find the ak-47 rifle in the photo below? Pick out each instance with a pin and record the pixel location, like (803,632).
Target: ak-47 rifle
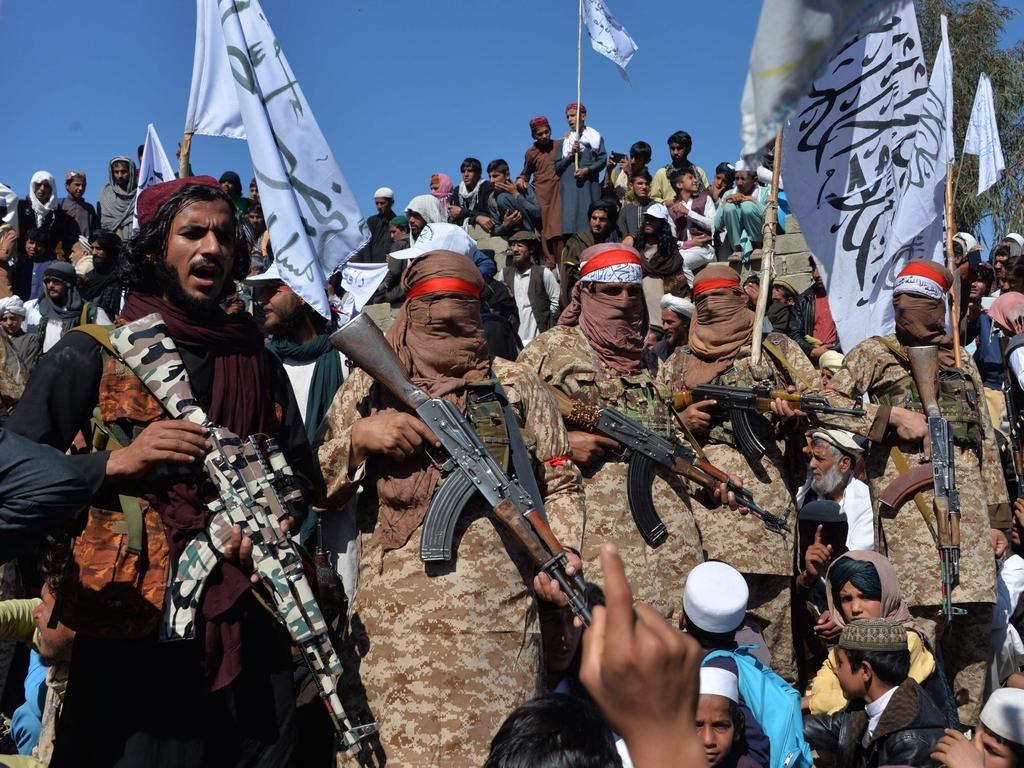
(924,367)
(740,403)
(643,449)
(470,465)
(256,490)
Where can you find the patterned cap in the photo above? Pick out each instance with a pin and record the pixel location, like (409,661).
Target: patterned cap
(874,635)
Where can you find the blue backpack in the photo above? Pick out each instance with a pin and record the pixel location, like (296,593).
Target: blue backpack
(775,705)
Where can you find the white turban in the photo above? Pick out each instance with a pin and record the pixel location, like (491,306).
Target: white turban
(683,307)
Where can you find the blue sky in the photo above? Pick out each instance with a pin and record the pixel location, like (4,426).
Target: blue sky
(401,89)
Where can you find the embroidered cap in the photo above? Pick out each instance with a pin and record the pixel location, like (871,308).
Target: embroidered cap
(874,635)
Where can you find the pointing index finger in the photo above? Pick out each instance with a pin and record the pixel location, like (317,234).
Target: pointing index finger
(617,594)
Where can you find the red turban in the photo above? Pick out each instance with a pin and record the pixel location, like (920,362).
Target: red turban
(574,104)
(151,198)
(538,122)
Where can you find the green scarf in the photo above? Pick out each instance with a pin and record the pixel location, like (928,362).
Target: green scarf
(327,375)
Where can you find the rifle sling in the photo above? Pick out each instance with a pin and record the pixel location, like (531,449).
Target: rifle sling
(521,462)
(775,351)
(900,462)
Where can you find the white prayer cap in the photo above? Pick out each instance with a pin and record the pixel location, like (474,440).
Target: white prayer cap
(832,360)
(715,597)
(439,237)
(967,240)
(659,211)
(742,165)
(1003,714)
(1018,239)
(385,192)
(716,681)
(680,306)
(14,305)
(840,438)
(269,275)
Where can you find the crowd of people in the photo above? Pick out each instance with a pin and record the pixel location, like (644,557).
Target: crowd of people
(763,580)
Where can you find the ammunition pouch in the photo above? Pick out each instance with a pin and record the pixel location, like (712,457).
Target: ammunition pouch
(958,404)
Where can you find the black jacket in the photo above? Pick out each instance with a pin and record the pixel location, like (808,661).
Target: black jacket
(801,321)
(906,734)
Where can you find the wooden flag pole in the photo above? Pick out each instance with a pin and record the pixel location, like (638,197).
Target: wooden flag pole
(579,74)
(183,153)
(951,263)
(771,220)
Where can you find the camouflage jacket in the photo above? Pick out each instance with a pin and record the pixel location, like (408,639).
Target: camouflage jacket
(565,360)
(742,540)
(872,368)
(444,650)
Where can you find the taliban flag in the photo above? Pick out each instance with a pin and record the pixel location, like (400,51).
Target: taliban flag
(243,88)
(794,41)
(850,154)
(154,168)
(982,138)
(607,36)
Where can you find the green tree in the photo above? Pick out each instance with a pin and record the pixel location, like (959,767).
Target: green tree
(975,30)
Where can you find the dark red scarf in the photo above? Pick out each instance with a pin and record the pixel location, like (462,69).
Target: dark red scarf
(237,402)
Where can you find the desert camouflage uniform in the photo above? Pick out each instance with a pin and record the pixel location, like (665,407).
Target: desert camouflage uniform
(874,369)
(763,557)
(444,651)
(564,359)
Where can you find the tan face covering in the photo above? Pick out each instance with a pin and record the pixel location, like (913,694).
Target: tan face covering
(722,324)
(921,321)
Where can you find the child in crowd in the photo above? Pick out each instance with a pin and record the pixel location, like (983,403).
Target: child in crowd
(890,720)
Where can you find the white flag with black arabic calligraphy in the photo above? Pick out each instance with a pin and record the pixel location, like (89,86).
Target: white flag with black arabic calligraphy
(848,157)
(313,219)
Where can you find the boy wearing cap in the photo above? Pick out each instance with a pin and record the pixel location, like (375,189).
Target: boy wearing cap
(720,721)
(896,426)
(714,607)
(998,741)
(890,720)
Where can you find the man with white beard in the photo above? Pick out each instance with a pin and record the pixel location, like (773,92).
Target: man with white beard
(834,454)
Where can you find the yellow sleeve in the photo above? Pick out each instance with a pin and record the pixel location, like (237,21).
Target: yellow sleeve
(922,662)
(16,622)
(825,694)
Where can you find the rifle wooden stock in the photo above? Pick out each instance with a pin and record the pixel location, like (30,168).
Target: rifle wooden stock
(924,368)
(362,342)
(904,487)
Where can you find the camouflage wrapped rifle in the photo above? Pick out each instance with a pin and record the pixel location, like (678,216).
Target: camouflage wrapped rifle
(644,449)
(255,490)
(739,403)
(469,462)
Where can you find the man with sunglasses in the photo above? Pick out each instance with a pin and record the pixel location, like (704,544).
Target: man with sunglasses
(61,306)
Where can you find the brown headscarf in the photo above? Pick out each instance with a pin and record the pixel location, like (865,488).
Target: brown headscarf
(615,326)
(893,604)
(439,338)
(920,321)
(722,324)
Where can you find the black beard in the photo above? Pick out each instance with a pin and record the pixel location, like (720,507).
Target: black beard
(167,279)
(284,327)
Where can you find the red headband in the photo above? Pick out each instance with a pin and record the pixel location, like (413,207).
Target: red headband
(609,259)
(923,269)
(443,285)
(713,284)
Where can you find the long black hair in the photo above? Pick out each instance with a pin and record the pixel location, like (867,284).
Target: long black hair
(138,273)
